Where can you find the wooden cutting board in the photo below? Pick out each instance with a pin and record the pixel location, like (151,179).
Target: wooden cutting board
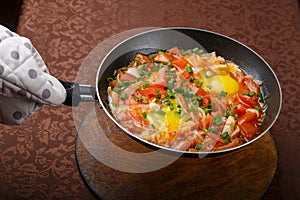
(241,174)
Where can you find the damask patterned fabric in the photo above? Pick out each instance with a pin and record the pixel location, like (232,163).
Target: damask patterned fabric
(38,157)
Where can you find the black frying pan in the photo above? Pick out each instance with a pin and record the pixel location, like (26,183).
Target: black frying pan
(184,38)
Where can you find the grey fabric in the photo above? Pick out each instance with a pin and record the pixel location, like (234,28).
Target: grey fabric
(25,82)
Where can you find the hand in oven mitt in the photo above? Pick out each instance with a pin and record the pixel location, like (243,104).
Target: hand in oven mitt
(25,82)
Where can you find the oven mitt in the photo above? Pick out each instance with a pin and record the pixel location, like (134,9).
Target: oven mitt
(25,82)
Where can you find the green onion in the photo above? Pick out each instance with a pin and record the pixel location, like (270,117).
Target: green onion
(189,69)
(198,146)
(227,114)
(145,84)
(226,141)
(144,114)
(218,120)
(156,67)
(161,112)
(257,108)
(117,90)
(207,110)
(179,90)
(169,64)
(191,79)
(138,99)
(158,96)
(166,102)
(252,93)
(124,69)
(139,79)
(245,93)
(222,94)
(110,79)
(145,100)
(212,130)
(171,106)
(209,86)
(198,83)
(224,135)
(123,96)
(208,74)
(170,95)
(160,52)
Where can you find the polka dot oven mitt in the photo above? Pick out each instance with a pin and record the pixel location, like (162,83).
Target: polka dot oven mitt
(25,82)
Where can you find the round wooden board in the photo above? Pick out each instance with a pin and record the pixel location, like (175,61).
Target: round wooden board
(244,173)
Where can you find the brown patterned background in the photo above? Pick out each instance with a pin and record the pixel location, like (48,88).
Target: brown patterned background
(38,158)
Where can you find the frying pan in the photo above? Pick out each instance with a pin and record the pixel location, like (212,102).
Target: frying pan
(184,38)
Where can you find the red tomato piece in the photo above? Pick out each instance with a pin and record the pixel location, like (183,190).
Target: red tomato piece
(164,57)
(152,90)
(247,100)
(249,129)
(248,117)
(136,114)
(180,63)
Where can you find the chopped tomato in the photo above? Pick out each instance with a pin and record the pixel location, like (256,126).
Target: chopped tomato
(142,59)
(205,97)
(247,100)
(124,76)
(251,85)
(247,117)
(240,109)
(186,75)
(249,129)
(164,57)
(152,90)
(207,121)
(180,63)
(136,114)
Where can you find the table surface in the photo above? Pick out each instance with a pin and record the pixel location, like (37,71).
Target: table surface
(241,174)
(37,159)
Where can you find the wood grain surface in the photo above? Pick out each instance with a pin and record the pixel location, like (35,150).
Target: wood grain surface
(241,174)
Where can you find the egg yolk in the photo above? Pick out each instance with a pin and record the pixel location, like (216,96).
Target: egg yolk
(172,119)
(225,83)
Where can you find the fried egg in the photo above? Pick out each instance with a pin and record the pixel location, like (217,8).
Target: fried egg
(219,83)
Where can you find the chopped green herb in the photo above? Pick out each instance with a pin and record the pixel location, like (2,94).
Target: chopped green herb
(208,74)
(145,84)
(198,146)
(212,130)
(110,79)
(252,93)
(222,94)
(124,69)
(257,108)
(217,120)
(170,95)
(227,114)
(117,90)
(224,135)
(158,96)
(207,110)
(123,96)
(169,64)
(171,106)
(198,83)
(189,69)
(144,114)
(160,52)
(161,112)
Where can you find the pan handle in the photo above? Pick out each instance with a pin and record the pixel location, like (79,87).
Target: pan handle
(78,93)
